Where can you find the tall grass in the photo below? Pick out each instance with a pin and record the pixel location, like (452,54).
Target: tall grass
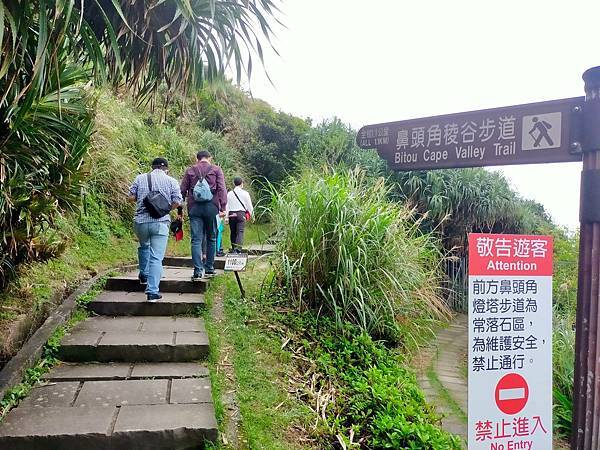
(566,252)
(563,373)
(348,252)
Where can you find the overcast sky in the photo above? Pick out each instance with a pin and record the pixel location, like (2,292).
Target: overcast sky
(387,60)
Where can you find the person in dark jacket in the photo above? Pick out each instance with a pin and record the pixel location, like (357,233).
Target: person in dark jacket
(203,215)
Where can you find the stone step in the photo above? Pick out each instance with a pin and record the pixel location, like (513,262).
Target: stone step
(186,261)
(124,371)
(122,303)
(127,427)
(259,249)
(174,279)
(135,339)
(103,393)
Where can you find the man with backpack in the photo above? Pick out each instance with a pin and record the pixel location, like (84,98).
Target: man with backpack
(155,195)
(203,185)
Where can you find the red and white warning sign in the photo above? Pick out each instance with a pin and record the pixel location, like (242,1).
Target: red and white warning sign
(512,393)
(510,342)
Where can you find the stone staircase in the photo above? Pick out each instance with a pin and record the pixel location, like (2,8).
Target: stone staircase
(131,377)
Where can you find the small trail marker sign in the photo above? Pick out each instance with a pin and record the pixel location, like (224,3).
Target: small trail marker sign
(510,342)
(236,262)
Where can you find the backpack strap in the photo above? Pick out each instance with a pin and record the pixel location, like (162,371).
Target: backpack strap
(199,173)
(201,176)
(241,203)
(149,182)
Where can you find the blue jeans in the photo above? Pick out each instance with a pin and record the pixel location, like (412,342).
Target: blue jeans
(153,237)
(203,222)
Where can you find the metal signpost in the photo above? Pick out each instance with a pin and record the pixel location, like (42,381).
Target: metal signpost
(236,262)
(555,131)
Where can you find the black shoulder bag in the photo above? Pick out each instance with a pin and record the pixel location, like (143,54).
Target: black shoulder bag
(155,203)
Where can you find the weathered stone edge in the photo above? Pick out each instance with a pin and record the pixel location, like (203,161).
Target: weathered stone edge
(31,351)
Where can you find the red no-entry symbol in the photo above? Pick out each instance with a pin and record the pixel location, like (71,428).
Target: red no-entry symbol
(512,393)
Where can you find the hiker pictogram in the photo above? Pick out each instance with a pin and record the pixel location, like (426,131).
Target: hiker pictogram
(539,131)
(542,131)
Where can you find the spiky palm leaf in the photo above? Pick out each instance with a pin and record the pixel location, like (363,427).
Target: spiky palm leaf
(178,41)
(51,48)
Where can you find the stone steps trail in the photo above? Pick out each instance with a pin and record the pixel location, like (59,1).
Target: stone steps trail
(175,279)
(133,339)
(124,303)
(133,380)
(124,371)
(451,345)
(162,426)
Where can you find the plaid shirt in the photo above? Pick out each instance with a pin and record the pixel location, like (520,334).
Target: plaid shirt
(161,182)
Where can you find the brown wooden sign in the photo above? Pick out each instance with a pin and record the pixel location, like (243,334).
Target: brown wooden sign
(533,133)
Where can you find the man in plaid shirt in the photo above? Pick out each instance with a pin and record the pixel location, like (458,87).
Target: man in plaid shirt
(152,233)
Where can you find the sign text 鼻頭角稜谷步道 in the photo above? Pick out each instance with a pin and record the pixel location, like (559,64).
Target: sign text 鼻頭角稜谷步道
(522,134)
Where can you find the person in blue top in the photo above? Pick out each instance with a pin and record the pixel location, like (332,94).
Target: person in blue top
(153,233)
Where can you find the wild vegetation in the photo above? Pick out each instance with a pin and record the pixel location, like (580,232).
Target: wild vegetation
(349,253)
(93,90)
(460,201)
(50,50)
(566,251)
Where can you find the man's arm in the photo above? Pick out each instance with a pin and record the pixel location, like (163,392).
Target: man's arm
(249,204)
(185,185)
(132,197)
(221,190)
(227,206)
(176,197)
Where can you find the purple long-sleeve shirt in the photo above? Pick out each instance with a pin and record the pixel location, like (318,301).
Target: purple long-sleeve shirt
(215,179)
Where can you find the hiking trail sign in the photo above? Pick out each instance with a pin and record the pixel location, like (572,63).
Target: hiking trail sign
(510,342)
(536,133)
(523,134)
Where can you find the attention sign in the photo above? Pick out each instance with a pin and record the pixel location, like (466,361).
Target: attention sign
(524,134)
(510,342)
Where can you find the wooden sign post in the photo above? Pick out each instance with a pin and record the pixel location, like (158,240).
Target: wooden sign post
(586,394)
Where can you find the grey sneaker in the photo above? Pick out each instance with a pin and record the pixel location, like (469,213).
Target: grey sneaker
(153,297)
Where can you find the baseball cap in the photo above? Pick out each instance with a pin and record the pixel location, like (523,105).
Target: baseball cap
(159,163)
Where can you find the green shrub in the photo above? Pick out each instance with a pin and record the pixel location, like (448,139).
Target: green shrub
(268,141)
(349,253)
(564,281)
(455,202)
(377,400)
(334,143)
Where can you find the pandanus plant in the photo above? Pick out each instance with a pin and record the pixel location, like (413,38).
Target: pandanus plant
(52,50)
